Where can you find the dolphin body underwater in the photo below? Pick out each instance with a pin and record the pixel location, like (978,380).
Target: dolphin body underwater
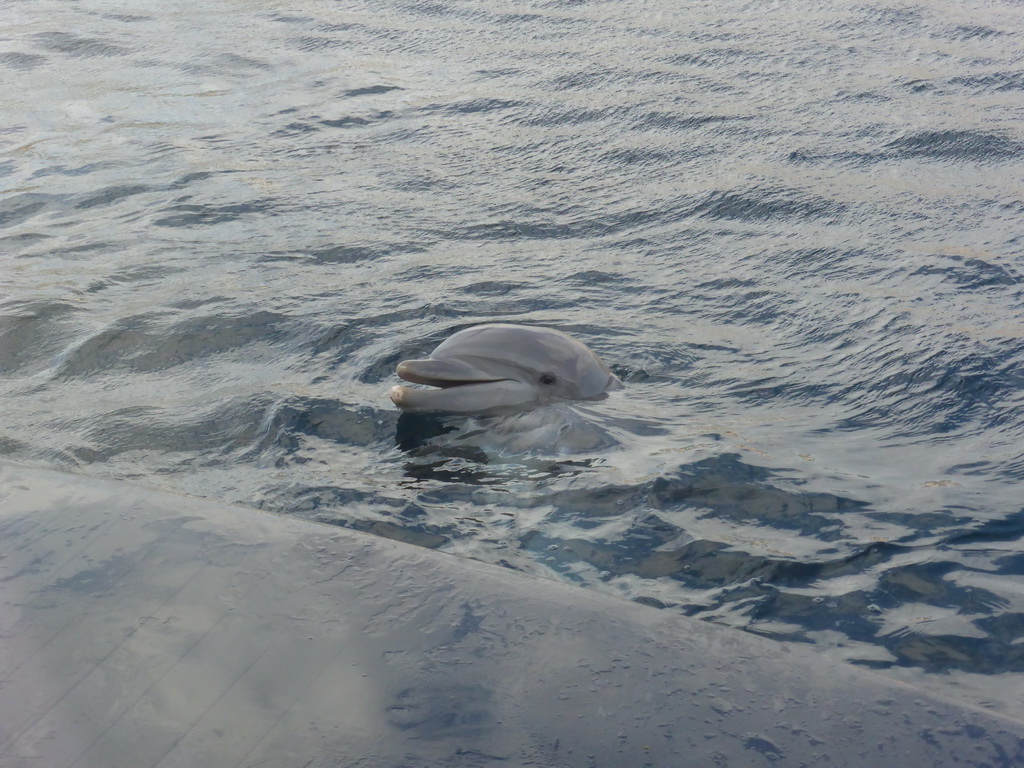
(516,383)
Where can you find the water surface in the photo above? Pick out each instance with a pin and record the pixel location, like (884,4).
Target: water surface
(793,230)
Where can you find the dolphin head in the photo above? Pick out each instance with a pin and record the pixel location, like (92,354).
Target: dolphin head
(499,367)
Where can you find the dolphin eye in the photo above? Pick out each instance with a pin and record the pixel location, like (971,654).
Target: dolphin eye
(547,378)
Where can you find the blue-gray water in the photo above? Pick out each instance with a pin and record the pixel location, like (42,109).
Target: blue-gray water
(793,230)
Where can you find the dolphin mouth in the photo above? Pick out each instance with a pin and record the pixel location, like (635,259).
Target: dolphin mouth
(461,387)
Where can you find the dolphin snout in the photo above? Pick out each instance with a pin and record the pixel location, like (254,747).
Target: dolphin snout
(398,395)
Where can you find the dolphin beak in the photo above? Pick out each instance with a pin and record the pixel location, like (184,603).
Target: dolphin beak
(443,373)
(488,397)
(462,388)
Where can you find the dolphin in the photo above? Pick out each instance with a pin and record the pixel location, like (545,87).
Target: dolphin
(501,368)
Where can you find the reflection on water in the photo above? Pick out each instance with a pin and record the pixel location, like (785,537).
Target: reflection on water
(793,232)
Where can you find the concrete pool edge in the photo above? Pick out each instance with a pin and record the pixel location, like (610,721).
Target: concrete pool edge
(142,628)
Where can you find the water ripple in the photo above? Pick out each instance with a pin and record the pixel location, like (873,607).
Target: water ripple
(795,236)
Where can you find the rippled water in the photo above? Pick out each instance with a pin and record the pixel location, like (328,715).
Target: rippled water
(794,231)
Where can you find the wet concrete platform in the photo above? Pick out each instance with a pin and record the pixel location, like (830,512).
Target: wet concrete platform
(140,629)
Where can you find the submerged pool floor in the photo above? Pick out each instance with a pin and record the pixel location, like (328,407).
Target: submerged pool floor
(145,629)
